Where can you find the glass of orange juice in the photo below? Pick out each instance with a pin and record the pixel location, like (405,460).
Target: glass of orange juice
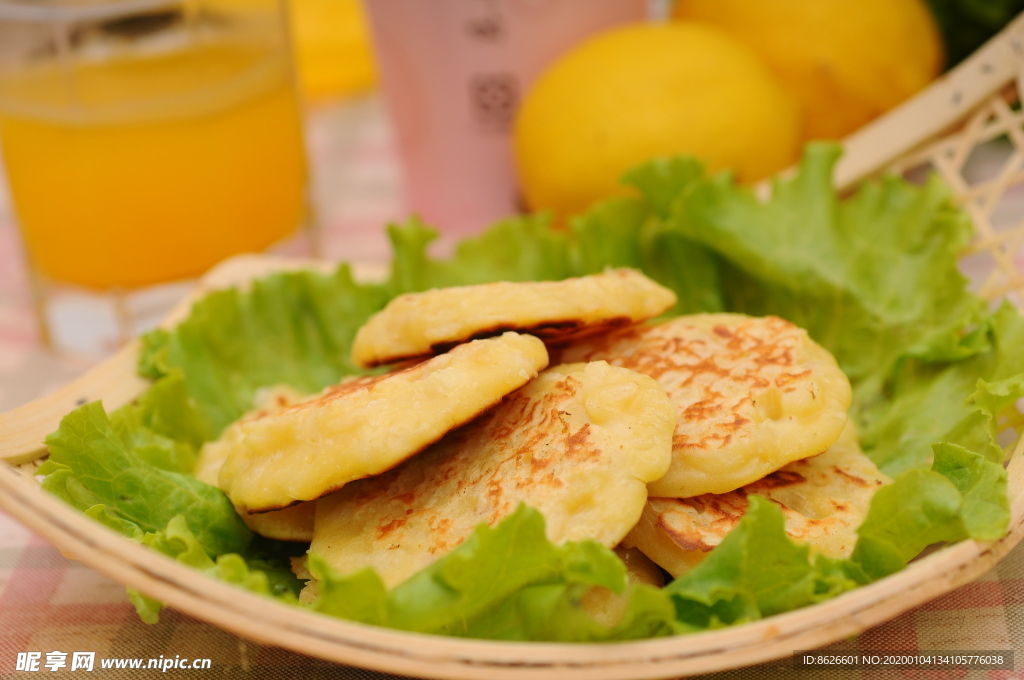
(144,141)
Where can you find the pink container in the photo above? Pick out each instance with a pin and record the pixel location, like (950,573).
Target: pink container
(454,72)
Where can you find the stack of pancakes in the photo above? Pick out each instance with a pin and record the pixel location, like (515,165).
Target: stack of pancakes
(646,437)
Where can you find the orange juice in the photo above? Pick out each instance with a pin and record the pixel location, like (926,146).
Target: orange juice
(155,167)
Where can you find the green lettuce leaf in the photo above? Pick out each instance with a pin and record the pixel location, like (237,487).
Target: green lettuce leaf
(962,496)
(873,278)
(178,542)
(102,465)
(523,248)
(982,485)
(162,428)
(919,508)
(507,582)
(959,402)
(756,571)
(131,471)
(292,328)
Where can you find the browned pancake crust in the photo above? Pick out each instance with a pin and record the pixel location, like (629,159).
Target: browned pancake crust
(368,425)
(579,444)
(823,500)
(753,394)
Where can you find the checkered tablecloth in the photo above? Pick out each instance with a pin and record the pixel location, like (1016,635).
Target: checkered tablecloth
(51,604)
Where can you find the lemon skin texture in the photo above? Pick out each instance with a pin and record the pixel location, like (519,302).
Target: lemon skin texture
(648,90)
(846,61)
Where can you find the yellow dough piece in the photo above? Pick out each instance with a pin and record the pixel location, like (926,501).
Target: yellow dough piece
(294,523)
(368,425)
(753,395)
(422,324)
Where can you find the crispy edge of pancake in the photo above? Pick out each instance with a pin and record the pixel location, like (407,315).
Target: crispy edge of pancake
(294,523)
(753,393)
(823,500)
(370,425)
(423,324)
(579,443)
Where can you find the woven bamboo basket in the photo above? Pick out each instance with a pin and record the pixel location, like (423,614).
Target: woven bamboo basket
(942,129)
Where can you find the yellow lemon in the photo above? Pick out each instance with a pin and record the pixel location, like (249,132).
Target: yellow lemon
(647,90)
(847,61)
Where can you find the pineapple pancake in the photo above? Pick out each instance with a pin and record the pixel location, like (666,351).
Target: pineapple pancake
(416,325)
(579,444)
(290,524)
(823,500)
(368,425)
(753,394)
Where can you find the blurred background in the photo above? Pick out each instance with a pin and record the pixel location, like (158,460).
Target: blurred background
(457,111)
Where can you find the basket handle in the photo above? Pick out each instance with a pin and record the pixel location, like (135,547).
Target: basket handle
(939,108)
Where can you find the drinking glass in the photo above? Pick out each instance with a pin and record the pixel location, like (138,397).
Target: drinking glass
(144,141)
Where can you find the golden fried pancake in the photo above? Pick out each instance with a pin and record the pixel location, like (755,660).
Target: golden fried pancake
(422,324)
(290,524)
(368,425)
(753,394)
(823,500)
(579,443)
